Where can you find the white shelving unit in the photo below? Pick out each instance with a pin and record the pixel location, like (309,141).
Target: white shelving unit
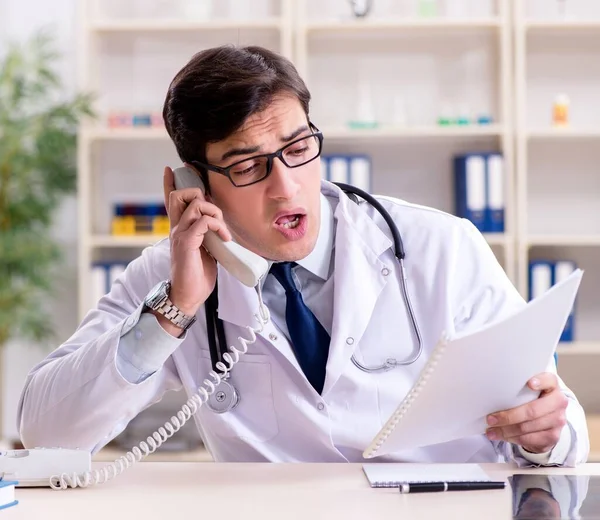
(412,159)
(557,186)
(125,57)
(331,46)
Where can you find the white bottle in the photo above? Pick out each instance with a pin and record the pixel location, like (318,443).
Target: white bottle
(365,111)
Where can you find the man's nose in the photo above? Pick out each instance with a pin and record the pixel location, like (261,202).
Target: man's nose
(282,184)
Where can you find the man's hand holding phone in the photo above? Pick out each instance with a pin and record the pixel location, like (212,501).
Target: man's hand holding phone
(193,270)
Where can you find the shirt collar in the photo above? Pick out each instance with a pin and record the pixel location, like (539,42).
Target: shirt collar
(318,261)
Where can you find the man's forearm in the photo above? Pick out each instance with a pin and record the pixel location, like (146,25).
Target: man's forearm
(78,399)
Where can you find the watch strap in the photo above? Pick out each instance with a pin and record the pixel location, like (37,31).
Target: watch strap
(170,311)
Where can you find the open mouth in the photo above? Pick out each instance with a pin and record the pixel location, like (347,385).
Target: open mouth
(292,225)
(289,221)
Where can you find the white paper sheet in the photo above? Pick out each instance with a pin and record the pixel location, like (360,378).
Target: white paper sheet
(480,373)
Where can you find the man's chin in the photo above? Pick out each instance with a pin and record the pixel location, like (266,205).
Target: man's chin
(292,252)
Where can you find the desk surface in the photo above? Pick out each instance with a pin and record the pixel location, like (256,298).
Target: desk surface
(153,490)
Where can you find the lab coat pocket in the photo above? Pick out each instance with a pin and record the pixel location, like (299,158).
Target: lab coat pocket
(253,418)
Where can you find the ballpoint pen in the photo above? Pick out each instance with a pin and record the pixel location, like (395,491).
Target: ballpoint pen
(429,487)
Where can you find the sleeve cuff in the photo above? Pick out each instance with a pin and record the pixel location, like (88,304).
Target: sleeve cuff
(556,456)
(144,348)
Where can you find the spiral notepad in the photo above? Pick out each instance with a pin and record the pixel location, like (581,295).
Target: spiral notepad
(471,376)
(393,475)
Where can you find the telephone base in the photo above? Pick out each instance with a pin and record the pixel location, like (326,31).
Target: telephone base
(34,467)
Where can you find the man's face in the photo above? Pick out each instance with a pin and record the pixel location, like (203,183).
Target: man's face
(277,218)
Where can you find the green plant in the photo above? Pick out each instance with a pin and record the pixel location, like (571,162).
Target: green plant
(38,140)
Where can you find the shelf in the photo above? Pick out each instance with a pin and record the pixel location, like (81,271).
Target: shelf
(125,134)
(561,26)
(432,131)
(402,23)
(111,453)
(563,240)
(146,240)
(564,133)
(384,132)
(579,348)
(175,25)
(124,241)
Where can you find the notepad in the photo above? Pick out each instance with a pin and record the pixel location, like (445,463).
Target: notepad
(476,374)
(394,474)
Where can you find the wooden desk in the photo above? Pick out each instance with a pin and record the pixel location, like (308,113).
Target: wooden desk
(160,490)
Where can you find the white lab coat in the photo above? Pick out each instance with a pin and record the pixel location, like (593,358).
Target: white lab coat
(78,398)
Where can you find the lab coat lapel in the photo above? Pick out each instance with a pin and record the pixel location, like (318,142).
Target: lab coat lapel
(238,304)
(358,282)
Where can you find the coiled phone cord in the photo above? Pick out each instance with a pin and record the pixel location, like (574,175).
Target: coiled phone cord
(153,442)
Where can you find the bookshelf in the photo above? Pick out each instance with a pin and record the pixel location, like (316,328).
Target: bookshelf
(128,52)
(557,188)
(409,156)
(394,50)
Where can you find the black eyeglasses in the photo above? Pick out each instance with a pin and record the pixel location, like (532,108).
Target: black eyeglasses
(257,168)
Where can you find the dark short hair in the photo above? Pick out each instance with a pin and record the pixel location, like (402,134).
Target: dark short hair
(218,89)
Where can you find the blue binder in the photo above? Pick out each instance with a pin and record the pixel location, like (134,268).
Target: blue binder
(562,269)
(470,188)
(495,186)
(543,274)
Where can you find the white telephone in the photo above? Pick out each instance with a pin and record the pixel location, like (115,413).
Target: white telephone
(246,266)
(62,468)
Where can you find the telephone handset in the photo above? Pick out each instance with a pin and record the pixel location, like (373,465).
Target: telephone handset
(248,268)
(245,265)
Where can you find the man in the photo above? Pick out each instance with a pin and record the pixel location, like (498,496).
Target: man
(333,293)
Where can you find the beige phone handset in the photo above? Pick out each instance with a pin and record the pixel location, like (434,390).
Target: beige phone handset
(248,268)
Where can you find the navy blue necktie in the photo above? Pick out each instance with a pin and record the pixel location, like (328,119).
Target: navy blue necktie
(310,340)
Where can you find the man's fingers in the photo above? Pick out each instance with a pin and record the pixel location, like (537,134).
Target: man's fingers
(508,433)
(206,223)
(544,405)
(544,382)
(179,201)
(195,210)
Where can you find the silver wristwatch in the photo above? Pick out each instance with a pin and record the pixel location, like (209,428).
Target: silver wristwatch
(158,300)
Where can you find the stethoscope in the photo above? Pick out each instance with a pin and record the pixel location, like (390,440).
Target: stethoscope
(225,397)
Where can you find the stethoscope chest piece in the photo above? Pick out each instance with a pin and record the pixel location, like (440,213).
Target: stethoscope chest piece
(224,399)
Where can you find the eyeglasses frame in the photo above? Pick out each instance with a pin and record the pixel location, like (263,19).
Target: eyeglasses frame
(270,159)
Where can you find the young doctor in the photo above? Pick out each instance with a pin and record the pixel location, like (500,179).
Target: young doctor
(304,389)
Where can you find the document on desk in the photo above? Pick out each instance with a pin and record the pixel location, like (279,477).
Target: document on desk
(472,375)
(394,474)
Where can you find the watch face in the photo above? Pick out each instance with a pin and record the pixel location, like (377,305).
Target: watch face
(158,295)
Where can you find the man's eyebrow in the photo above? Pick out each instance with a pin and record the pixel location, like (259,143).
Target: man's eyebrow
(255,149)
(294,134)
(240,151)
